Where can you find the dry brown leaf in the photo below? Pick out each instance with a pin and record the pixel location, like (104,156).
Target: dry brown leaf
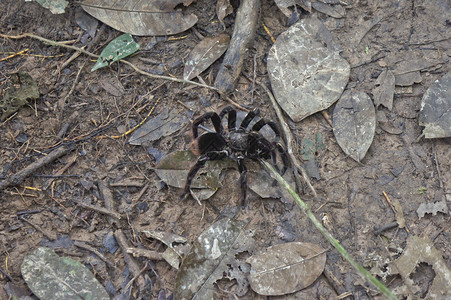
(137,17)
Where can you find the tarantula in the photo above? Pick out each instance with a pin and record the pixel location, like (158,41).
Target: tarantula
(236,143)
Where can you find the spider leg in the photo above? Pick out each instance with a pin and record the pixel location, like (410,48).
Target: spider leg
(231,117)
(262,122)
(214,119)
(249,117)
(284,156)
(201,161)
(243,181)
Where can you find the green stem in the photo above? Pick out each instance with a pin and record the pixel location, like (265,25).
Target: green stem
(379,285)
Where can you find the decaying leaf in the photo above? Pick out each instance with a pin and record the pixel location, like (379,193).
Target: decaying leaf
(432,208)
(166,123)
(212,253)
(306,76)
(354,122)
(174,167)
(223,9)
(420,250)
(435,113)
(55,6)
(177,245)
(24,88)
(384,90)
(286,268)
(120,47)
(152,17)
(284,6)
(335,11)
(50,276)
(204,54)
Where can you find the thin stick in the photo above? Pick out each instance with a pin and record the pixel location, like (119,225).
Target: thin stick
(306,210)
(20,176)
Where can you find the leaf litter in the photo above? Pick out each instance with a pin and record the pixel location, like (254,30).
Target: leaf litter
(306,77)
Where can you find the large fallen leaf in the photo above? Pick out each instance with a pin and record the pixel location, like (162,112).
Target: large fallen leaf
(286,268)
(212,253)
(306,76)
(50,276)
(435,113)
(151,17)
(420,250)
(120,47)
(166,123)
(204,54)
(354,123)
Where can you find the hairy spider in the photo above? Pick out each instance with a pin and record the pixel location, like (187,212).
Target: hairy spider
(236,143)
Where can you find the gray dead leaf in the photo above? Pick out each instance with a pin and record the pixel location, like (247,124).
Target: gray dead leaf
(212,253)
(420,250)
(174,167)
(50,276)
(335,11)
(408,79)
(306,77)
(284,5)
(261,183)
(152,17)
(204,54)
(164,124)
(86,21)
(384,90)
(432,208)
(177,245)
(286,268)
(435,113)
(354,121)
(55,6)
(223,9)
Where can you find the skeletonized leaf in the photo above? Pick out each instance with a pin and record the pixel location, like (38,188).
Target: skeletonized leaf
(435,113)
(151,17)
(354,122)
(306,76)
(50,276)
(286,268)
(120,47)
(212,253)
(204,54)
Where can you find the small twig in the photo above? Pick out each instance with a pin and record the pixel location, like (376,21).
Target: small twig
(99,209)
(129,260)
(48,235)
(85,246)
(60,172)
(139,252)
(20,176)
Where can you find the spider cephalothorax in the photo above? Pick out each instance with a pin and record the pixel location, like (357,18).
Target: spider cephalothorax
(236,143)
